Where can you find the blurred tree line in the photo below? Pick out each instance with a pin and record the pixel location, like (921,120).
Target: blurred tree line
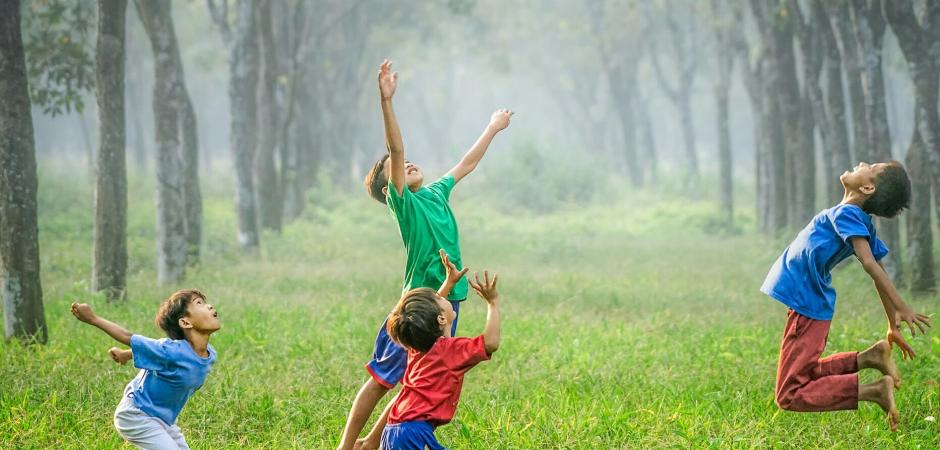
(784,93)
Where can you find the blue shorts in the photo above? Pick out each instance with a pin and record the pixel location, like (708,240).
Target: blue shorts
(389,360)
(409,436)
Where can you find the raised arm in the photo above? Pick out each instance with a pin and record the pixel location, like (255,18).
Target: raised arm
(453,275)
(388,80)
(498,122)
(895,308)
(83,312)
(487,290)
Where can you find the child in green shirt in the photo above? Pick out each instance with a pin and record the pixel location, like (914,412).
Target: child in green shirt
(428,230)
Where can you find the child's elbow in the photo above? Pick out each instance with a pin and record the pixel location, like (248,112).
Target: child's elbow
(491,347)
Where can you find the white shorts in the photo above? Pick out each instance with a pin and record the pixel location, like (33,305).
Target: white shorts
(145,431)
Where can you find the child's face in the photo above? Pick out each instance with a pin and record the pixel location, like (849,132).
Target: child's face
(447,316)
(862,177)
(201,317)
(414,177)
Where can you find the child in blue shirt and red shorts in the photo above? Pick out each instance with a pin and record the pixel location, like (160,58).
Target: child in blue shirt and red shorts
(437,362)
(171,370)
(801,280)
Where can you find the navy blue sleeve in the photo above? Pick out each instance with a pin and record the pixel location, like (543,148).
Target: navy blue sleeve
(149,354)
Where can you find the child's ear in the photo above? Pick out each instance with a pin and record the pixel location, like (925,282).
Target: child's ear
(867,189)
(385,191)
(441,320)
(185,323)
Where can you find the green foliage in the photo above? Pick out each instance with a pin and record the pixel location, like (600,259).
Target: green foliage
(531,176)
(623,327)
(57,38)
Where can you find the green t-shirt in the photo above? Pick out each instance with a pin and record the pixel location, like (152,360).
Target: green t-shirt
(427,225)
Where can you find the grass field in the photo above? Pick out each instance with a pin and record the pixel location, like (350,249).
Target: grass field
(627,323)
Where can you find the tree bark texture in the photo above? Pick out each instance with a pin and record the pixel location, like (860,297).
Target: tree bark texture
(109,267)
(169,114)
(267,184)
(20,286)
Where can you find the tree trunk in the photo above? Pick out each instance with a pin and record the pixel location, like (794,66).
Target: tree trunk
(915,43)
(869,28)
(837,149)
(919,232)
(168,113)
(841,24)
(109,267)
(267,185)
(622,81)
(192,193)
(20,286)
(243,83)
(647,138)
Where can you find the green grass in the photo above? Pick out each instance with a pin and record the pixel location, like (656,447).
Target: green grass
(627,324)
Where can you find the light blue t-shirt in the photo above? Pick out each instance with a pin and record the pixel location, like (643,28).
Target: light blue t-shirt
(801,277)
(170,372)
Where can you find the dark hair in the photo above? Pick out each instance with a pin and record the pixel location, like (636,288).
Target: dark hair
(413,322)
(376,180)
(175,308)
(892,192)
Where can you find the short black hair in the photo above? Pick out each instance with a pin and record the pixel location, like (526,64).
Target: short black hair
(175,308)
(376,180)
(413,322)
(892,192)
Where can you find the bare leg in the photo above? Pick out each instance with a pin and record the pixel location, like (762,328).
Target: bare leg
(374,438)
(878,356)
(882,393)
(362,407)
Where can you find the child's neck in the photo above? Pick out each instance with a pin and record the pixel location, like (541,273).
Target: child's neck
(199,342)
(853,197)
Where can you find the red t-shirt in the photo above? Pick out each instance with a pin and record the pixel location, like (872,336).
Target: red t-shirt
(431,386)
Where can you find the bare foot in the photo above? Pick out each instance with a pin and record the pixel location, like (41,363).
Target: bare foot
(878,356)
(882,393)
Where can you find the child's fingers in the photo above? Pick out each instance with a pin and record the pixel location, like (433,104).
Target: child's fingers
(486,277)
(463,272)
(495,278)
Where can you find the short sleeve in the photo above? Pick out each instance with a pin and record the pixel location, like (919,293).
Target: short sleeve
(443,186)
(464,353)
(399,204)
(849,222)
(878,248)
(149,354)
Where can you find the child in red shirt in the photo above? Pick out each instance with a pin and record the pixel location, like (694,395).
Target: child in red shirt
(437,362)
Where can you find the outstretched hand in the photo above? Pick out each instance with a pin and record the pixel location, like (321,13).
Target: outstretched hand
(83,312)
(487,288)
(911,318)
(895,338)
(500,119)
(453,275)
(388,80)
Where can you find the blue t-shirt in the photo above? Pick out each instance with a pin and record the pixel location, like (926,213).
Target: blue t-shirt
(801,277)
(170,372)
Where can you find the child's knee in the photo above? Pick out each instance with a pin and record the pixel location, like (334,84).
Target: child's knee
(784,401)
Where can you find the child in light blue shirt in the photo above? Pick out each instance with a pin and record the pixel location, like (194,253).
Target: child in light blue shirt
(171,369)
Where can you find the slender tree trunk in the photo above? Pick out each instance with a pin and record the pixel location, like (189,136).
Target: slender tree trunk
(919,231)
(171,195)
(916,43)
(841,24)
(243,83)
(109,267)
(621,84)
(192,193)
(267,185)
(837,151)
(869,29)
(20,287)
(647,138)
